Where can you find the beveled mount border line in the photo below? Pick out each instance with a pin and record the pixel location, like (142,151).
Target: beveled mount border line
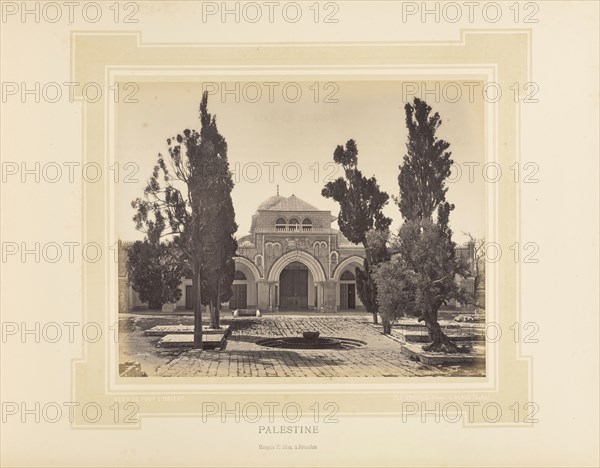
(94,52)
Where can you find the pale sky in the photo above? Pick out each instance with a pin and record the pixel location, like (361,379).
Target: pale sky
(302,134)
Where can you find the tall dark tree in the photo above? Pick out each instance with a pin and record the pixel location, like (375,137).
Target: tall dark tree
(426,267)
(152,273)
(426,165)
(361,204)
(217,279)
(220,247)
(219,240)
(429,266)
(179,200)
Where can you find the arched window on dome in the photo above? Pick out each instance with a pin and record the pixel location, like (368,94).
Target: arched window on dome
(306,224)
(293,224)
(280,224)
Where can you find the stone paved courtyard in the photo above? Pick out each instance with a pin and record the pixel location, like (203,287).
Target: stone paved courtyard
(243,357)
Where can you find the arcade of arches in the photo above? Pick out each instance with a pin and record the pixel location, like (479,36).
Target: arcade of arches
(291,260)
(294,287)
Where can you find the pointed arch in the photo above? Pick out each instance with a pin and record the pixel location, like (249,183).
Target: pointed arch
(297,256)
(345,263)
(249,265)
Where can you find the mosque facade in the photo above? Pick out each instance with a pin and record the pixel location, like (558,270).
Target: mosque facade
(291,260)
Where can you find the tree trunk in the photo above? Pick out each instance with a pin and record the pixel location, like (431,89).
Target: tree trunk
(196,288)
(218,306)
(370,284)
(387,326)
(373,296)
(213,315)
(439,341)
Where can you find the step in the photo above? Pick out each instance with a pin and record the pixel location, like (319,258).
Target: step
(416,351)
(161,330)
(178,340)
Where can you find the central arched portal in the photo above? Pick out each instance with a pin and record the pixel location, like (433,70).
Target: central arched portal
(293,284)
(303,286)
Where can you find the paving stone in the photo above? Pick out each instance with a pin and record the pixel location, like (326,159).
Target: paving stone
(381,356)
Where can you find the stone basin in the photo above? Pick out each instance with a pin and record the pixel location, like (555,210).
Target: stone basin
(311,335)
(298,342)
(313,343)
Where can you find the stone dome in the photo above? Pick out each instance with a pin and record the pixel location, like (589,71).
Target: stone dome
(270,202)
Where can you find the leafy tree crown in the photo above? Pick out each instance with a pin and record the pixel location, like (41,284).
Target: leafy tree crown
(426,165)
(360,198)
